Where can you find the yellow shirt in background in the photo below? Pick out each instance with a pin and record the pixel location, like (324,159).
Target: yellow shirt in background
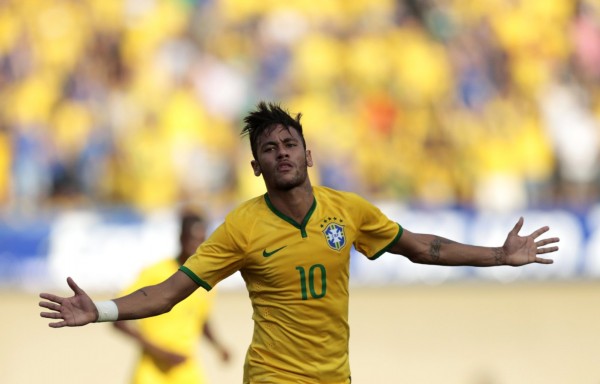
(179,330)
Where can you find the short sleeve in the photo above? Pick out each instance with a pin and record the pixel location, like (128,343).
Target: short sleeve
(376,233)
(218,257)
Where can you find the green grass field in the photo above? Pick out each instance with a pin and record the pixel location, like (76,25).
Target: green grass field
(467,333)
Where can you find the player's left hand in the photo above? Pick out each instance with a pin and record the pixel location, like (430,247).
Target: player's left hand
(224,355)
(521,250)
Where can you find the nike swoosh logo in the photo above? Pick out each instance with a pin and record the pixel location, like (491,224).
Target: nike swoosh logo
(267,254)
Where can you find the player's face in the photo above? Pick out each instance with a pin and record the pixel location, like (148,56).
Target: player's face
(282,159)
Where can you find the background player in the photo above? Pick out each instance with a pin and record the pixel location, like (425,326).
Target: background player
(169,343)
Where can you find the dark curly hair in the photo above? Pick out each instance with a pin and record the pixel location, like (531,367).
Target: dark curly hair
(265,117)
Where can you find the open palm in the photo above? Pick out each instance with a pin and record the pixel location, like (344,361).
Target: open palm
(74,311)
(521,250)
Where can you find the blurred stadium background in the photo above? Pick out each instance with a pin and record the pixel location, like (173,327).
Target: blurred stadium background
(455,117)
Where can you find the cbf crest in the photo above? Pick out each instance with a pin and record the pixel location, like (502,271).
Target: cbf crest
(333,229)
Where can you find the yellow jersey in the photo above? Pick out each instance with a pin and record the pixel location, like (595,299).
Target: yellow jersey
(297,276)
(179,331)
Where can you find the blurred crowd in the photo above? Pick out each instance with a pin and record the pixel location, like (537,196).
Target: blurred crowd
(490,105)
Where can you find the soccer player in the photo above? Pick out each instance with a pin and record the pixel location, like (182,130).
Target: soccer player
(168,343)
(292,247)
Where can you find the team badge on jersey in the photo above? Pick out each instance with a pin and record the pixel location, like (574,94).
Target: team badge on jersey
(334,234)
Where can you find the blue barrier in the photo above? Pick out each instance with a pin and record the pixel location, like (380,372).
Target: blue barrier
(106,250)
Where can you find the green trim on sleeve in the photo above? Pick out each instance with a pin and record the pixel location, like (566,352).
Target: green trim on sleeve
(196,279)
(384,250)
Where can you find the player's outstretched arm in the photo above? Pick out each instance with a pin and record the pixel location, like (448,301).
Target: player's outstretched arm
(153,300)
(516,251)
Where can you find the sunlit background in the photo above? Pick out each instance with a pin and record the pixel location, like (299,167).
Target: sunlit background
(455,117)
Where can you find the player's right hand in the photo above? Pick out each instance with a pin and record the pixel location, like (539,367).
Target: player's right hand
(73,311)
(164,359)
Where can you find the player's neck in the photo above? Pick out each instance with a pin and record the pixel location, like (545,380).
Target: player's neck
(294,203)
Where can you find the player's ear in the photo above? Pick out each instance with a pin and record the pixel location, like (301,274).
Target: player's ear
(309,161)
(255,167)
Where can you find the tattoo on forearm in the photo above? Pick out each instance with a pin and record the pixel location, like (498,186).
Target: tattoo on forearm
(436,245)
(434,249)
(498,256)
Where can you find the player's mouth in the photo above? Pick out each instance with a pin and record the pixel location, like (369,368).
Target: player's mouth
(284,166)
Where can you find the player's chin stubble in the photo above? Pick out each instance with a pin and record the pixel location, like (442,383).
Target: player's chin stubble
(286,184)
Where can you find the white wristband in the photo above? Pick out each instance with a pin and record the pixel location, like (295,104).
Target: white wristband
(107,311)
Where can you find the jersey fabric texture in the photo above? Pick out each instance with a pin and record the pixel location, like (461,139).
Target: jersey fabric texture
(297,277)
(179,331)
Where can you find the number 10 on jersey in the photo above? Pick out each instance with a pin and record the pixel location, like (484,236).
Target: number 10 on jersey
(307,283)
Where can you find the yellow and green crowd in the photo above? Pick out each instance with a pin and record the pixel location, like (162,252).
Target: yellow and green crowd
(491,105)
